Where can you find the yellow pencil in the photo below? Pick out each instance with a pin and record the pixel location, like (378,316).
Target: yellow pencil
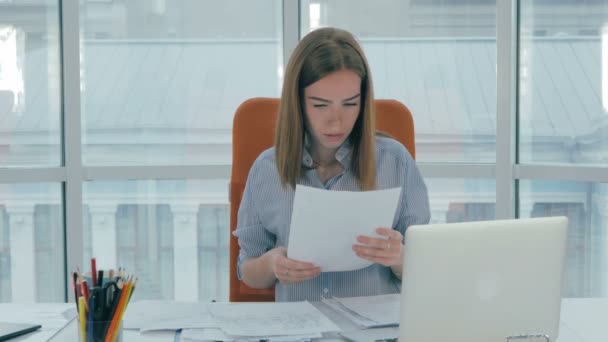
(82,316)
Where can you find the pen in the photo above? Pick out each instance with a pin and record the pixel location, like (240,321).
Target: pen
(74,280)
(90,320)
(100,278)
(114,307)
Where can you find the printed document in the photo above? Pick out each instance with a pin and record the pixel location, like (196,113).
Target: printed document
(270,319)
(148,315)
(325,224)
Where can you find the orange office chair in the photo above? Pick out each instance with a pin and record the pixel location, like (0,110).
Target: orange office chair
(253,132)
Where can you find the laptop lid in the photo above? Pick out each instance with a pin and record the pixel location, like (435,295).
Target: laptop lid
(482,281)
(10,330)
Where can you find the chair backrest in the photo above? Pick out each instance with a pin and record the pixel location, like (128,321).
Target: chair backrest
(253,132)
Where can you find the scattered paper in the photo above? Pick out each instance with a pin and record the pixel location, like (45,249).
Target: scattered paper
(383,310)
(270,319)
(149,315)
(218,335)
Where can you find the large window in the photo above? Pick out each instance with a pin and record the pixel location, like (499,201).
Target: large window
(116,125)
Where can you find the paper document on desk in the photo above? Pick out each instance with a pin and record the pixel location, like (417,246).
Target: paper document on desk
(325,224)
(369,311)
(270,319)
(211,334)
(149,315)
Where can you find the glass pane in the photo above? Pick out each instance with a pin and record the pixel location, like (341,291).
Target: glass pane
(162,79)
(586,206)
(438,58)
(172,234)
(30,80)
(31,243)
(564,82)
(458,200)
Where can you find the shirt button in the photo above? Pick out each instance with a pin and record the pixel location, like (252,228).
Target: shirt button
(325,290)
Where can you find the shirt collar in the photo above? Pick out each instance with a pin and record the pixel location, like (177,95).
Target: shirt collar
(343,154)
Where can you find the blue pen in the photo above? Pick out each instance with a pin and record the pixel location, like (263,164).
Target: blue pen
(90,320)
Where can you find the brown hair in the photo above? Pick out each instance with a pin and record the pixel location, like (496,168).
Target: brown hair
(317,55)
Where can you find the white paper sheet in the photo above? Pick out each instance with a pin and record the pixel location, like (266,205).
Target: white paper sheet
(52,316)
(325,224)
(212,334)
(270,319)
(372,335)
(149,315)
(382,309)
(358,320)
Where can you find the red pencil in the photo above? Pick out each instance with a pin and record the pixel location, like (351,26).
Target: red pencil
(85,293)
(93,272)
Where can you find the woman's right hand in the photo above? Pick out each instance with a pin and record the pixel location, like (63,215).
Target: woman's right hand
(289,271)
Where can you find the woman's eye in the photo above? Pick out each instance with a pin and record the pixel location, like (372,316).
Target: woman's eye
(350,104)
(319,105)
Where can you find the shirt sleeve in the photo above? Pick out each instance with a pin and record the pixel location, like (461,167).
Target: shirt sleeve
(414,206)
(254,239)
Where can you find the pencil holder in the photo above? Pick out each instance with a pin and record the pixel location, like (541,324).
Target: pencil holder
(97,331)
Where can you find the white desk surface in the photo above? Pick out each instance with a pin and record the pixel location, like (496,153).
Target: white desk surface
(582,320)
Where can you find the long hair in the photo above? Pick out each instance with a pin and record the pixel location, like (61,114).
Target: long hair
(317,55)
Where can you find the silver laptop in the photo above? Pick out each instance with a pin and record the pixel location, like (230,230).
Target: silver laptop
(483,281)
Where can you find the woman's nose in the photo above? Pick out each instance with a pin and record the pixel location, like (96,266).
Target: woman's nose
(335,115)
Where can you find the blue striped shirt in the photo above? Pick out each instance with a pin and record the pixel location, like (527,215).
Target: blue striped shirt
(265,214)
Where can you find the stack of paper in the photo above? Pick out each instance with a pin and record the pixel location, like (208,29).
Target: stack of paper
(368,312)
(263,321)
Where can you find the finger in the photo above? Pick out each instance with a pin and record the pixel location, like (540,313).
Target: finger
(294,276)
(301,275)
(390,233)
(297,265)
(376,259)
(379,243)
(377,252)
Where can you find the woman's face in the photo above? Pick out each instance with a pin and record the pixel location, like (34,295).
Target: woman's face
(332,105)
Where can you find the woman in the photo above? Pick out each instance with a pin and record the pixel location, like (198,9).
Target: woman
(326,138)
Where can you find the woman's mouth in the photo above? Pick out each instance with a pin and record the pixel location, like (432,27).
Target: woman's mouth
(334,137)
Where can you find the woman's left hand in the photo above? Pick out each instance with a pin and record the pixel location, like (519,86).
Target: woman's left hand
(386,251)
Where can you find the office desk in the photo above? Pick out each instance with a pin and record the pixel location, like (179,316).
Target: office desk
(583,320)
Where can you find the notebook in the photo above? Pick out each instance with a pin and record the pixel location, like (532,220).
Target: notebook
(11,330)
